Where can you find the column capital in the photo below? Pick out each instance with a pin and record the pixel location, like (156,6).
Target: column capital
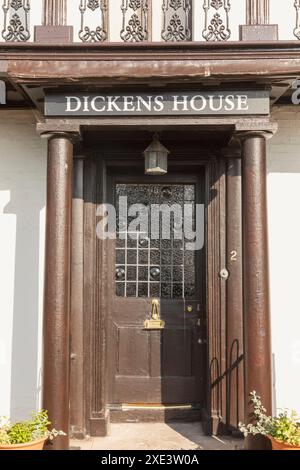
(244,130)
(57,126)
(74,137)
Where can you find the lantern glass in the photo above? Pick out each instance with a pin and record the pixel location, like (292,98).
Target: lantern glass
(156,158)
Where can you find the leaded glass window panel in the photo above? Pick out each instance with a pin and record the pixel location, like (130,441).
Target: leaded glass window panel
(153,260)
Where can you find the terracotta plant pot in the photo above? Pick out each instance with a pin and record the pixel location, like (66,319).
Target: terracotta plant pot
(35,445)
(279,445)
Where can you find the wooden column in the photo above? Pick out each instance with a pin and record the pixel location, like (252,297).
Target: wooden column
(257,26)
(257,12)
(257,330)
(54,28)
(57,285)
(77,418)
(234,263)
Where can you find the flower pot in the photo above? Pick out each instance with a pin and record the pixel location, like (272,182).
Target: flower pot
(279,445)
(34,445)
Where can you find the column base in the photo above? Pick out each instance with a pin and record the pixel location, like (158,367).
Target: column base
(212,425)
(257,443)
(76,432)
(53,34)
(264,32)
(100,427)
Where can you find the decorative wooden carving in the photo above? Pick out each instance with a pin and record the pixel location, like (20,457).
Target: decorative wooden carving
(216,26)
(16,20)
(135,20)
(177,20)
(92,11)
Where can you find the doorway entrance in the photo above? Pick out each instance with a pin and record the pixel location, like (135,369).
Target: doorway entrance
(159,273)
(180,370)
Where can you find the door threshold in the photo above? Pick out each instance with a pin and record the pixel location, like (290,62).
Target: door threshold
(143,413)
(161,407)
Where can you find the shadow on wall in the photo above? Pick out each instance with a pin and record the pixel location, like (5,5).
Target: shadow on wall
(274,404)
(26,205)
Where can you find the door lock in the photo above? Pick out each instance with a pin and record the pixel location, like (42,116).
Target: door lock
(190,308)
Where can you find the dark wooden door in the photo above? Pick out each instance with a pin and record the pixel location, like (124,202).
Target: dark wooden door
(163,366)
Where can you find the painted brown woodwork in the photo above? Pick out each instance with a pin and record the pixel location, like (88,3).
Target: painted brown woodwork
(96,305)
(100,305)
(77,417)
(57,285)
(47,64)
(164,366)
(93,377)
(107,363)
(258,360)
(216,298)
(234,258)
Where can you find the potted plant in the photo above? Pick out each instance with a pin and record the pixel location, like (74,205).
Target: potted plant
(283,430)
(27,435)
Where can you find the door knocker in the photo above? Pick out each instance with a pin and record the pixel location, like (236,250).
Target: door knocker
(155,322)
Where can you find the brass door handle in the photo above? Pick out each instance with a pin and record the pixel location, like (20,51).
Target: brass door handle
(155,322)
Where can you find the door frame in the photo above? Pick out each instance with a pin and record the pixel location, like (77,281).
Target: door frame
(96,284)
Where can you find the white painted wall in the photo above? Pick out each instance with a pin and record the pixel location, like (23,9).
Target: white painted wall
(284,242)
(22,202)
(283,13)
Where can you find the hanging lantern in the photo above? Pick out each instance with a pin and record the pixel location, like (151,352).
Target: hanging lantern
(156,158)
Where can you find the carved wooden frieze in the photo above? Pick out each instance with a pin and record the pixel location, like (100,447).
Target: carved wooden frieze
(16,20)
(177,20)
(94,20)
(135,20)
(216,22)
